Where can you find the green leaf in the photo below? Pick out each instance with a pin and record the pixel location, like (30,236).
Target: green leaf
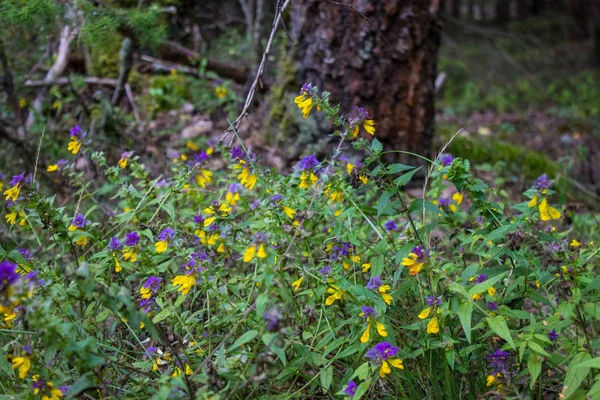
(384,199)
(164,313)
(376,146)
(575,376)
(361,372)
(537,348)
(84,382)
(483,286)
(534,364)
(465,311)
(245,338)
(593,363)
(498,325)
(326,377)
(397,168)
(361,390)
(404,179)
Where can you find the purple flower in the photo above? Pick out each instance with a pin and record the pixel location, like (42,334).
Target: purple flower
(444,202)
(65,389)
(32,277)
(358,114)
(276,199)
(368,312)
(234,187)
(237,153)
(325,271)
(382,351)
(166,234)
(308,162)
(151,351)
(114,244)
(152,283)
(419,251)
(552,335)
(198,219)
(18,179)
(492,306)
(390,225)
(132,239)
(39,384)
(273,318)
(198,159)
(433,301)
(306,88)
(127,154)
(79,221)
(374,283)
(146,304)
(255,204)
(446,159)
(499,362)
(8,274)
(542,183)
(480,278)
(25,253)
(76,132)
(351,389)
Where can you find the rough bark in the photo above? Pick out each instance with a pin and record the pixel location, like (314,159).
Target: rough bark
(502,11)
(380,55)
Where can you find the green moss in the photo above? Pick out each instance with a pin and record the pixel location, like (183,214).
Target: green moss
(527,163)
(106,58)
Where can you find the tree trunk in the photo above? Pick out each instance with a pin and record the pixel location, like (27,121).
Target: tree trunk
(502,11)
(537,7)
(580,12)
(456,9)
(596,34)
(379,55)
(522,9)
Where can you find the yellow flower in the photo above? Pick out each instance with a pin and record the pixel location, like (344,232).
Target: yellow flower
(24,364)
(123,162)
(412,262)
(296,284)
(307,179)
(146,293)
(547,212)
(366,267)
(130,254)
(575,243)
(192,146)
(52,168)
(11,218)
(56,105)
(532,203)
(305,104)
(185,283)
(385,366)
(425,313)
(118,267)
(249,253)
(74,145)
(336,294)
(221,92)
(457,197)
(82,241)
(385,296)
(247,179)
(477,296)
(161,246)
(232,198)
(22,102)
(366,334)
(381,329)
(491,291)
(204,177)
(261,251)
(433,326)
(289,212)
(13,192)
(188,370)
(369,126)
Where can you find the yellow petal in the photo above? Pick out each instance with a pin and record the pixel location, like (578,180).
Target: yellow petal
(249,253)
(387,298)
(457,197)
(532,203)
(396,363)
(296,284)
(52,168)
(433,326)
(369,126)
(381,329)
(261,251)
(366,334)
(385,369)
(161,246)
(425,313)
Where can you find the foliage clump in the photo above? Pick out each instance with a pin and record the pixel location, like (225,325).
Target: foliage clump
(220,278)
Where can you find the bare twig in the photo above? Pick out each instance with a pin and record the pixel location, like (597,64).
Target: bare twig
(126,54)
(167,66)
(134,109)
(92,80)
(259,72)
(67,35)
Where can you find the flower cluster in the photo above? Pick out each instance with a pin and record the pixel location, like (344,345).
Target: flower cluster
(368,315)
(433,304)
(383,354)
(305,99)
(164,237)
(77,136)
(148,292)
(415,260)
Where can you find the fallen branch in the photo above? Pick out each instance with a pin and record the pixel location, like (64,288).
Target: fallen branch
(91,80)
(126,54)
(67,35)
(167,66)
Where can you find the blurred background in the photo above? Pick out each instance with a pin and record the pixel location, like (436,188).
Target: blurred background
(516,79)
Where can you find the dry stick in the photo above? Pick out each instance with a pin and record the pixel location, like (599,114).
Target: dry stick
(131,99)
(444,147)
(37,157)
(92,80)
(67,35)
(168,66)
(259,72)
